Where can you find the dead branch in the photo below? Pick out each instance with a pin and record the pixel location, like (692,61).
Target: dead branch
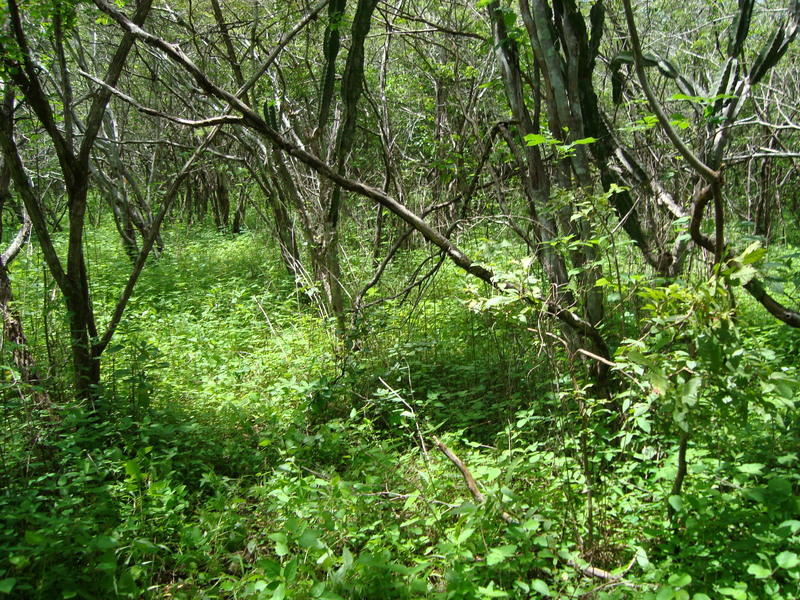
(468,478)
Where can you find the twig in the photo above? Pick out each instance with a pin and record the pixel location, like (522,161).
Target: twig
(413,414)
(275,333)
(605,361)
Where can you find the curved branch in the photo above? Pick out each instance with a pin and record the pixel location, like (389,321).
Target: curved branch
(220,120)
(714,178)
(709,174)
(754,287)
(254,121)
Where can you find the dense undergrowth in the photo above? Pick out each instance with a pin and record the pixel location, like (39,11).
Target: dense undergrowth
(237,451)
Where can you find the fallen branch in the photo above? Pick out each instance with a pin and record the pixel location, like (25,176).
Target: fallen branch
(470,480)
(480,497)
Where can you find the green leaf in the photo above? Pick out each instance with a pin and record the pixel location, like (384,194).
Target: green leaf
(499,554)
(751,469)
(498,301)
(133,470)
(753,253)
(33,537)
(6,585)
(743,274)
(659,381)
(679,580)
(271,568)
(787,560)
(535,139)
(755,494)
(146,546)
(586,140)
(290,570)
(641,558)
(281,543)
(792,525)
(309,539)
(491,592)
(347,558)
(317,589)
(665,593)
(126,584)
(105,542)
(637,357)
(689,390)
(780,489)
(411,500)
(643,424)
(280,592)
(541,587)
(488,473)
(734,593)
(758,571)
(676,502)
(464,535)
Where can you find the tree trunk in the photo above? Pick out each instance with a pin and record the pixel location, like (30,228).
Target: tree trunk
(71,278)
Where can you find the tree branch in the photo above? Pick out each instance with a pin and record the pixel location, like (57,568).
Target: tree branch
(211,121)
(704,170)
(254,121)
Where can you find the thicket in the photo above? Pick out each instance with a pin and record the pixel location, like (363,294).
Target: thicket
(437,300)
(236,452)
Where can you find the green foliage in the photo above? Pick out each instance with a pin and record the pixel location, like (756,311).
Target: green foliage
(562,149)
(234,455)
(700,373)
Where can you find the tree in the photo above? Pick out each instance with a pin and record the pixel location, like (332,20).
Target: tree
(21,52)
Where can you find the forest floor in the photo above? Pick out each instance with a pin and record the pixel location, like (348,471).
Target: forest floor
(238,451)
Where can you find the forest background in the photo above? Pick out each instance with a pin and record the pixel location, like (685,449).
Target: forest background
(399,300)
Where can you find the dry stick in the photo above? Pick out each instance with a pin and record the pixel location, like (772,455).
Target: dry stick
(468,478)
(605,361)
(481,498)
